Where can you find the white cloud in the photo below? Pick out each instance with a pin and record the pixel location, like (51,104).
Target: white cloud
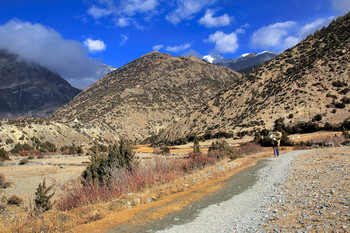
(94,45)
(157,47)
(186,9)
(97,12)
(124,39)
(131,7)
(272,35)
(122,22)
(43,45)
(341,5)
(224,43)
(209,20)
(178,48)
(311,27)
(122,11)
(241,30)
(283,35)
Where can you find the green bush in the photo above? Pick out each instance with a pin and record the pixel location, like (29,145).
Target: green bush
(42,200)
(101,168)
(219,149)
(121,155)
(97,170)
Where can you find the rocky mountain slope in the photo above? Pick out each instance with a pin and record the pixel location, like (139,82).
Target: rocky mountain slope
(148,94)
(243,63)
(28,89)
(309,79)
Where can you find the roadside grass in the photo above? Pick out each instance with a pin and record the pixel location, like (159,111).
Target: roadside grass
(83,204)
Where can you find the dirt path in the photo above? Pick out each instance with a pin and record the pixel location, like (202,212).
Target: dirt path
(300,191)
(244,211)
(229,188)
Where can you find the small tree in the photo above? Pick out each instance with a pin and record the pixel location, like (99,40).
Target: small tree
(121,155)
(3,155)
(101,168)
(196,148)
(42,197)
(97,170)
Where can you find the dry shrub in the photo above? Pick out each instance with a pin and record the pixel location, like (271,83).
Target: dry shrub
(246,148)
(197,161)
(14,200)
(219,150)
(124,181)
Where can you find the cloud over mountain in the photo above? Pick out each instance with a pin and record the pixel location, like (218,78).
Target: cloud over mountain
(282,35)
(224,43)
(45,46)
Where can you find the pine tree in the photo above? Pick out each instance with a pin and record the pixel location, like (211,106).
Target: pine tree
(196,148)
(42,198)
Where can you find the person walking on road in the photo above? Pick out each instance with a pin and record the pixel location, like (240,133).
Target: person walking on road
(276,141)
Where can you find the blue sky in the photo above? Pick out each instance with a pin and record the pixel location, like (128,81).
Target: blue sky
(74,37)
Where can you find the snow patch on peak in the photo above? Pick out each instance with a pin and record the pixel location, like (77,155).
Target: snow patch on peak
(265,52)
(209,58)
(213,58)
(245,55)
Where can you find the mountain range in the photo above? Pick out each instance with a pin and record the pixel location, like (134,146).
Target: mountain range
(30,90)
(178,97)
(244,63)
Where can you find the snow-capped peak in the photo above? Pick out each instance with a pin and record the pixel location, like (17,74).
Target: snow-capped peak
(209,58)
(245,54)
(213,58)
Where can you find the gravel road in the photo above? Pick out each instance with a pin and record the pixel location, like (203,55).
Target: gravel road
(249,210)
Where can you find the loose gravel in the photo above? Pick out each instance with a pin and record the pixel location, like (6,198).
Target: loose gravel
(249,210)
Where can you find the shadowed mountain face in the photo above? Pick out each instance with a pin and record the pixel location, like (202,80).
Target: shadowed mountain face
(29,90)
(312,78)
(148,94)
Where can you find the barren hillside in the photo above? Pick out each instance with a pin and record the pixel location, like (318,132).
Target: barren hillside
(148,94)
(309,79)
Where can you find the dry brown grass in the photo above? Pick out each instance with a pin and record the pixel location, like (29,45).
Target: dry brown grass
(189,187)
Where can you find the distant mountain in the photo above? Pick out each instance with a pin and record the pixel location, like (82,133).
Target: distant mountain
(148,94)
(243,63)
(30,90)
(310,81)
